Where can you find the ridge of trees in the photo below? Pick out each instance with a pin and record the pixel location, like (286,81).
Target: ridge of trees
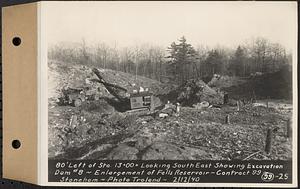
(180,61)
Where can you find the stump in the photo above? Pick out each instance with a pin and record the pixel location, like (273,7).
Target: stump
(288,128)
(226,98)
(227,119)
(268,146)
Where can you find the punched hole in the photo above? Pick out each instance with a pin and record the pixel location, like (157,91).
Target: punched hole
(16,144)
(16,41)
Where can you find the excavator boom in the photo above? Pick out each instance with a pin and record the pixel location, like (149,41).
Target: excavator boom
(112,88)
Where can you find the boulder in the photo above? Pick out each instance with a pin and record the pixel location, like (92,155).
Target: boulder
(166,151)
(123,152)
(161,151)
(143,140)
(97,153)
(163,115)
(201,105)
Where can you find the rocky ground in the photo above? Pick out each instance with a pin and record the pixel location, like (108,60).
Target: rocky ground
(96,130)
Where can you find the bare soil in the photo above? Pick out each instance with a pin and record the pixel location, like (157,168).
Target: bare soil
(97,130)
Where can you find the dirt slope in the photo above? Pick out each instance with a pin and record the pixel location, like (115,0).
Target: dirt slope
(62,74)
(277,85)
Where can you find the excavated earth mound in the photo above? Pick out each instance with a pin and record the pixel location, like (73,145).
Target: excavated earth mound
(276,85)
(194,91)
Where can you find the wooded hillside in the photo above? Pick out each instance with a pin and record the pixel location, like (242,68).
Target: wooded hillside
(180,61)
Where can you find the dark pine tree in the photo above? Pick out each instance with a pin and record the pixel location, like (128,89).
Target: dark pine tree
(181,56)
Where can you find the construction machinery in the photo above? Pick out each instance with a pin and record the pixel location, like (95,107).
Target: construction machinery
(133,101)
(124,101)
(75,96)
(142,100)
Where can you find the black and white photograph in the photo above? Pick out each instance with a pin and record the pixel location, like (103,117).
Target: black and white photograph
(171,80)
(150,94)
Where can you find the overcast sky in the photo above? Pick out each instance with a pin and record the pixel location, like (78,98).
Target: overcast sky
(160,23)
